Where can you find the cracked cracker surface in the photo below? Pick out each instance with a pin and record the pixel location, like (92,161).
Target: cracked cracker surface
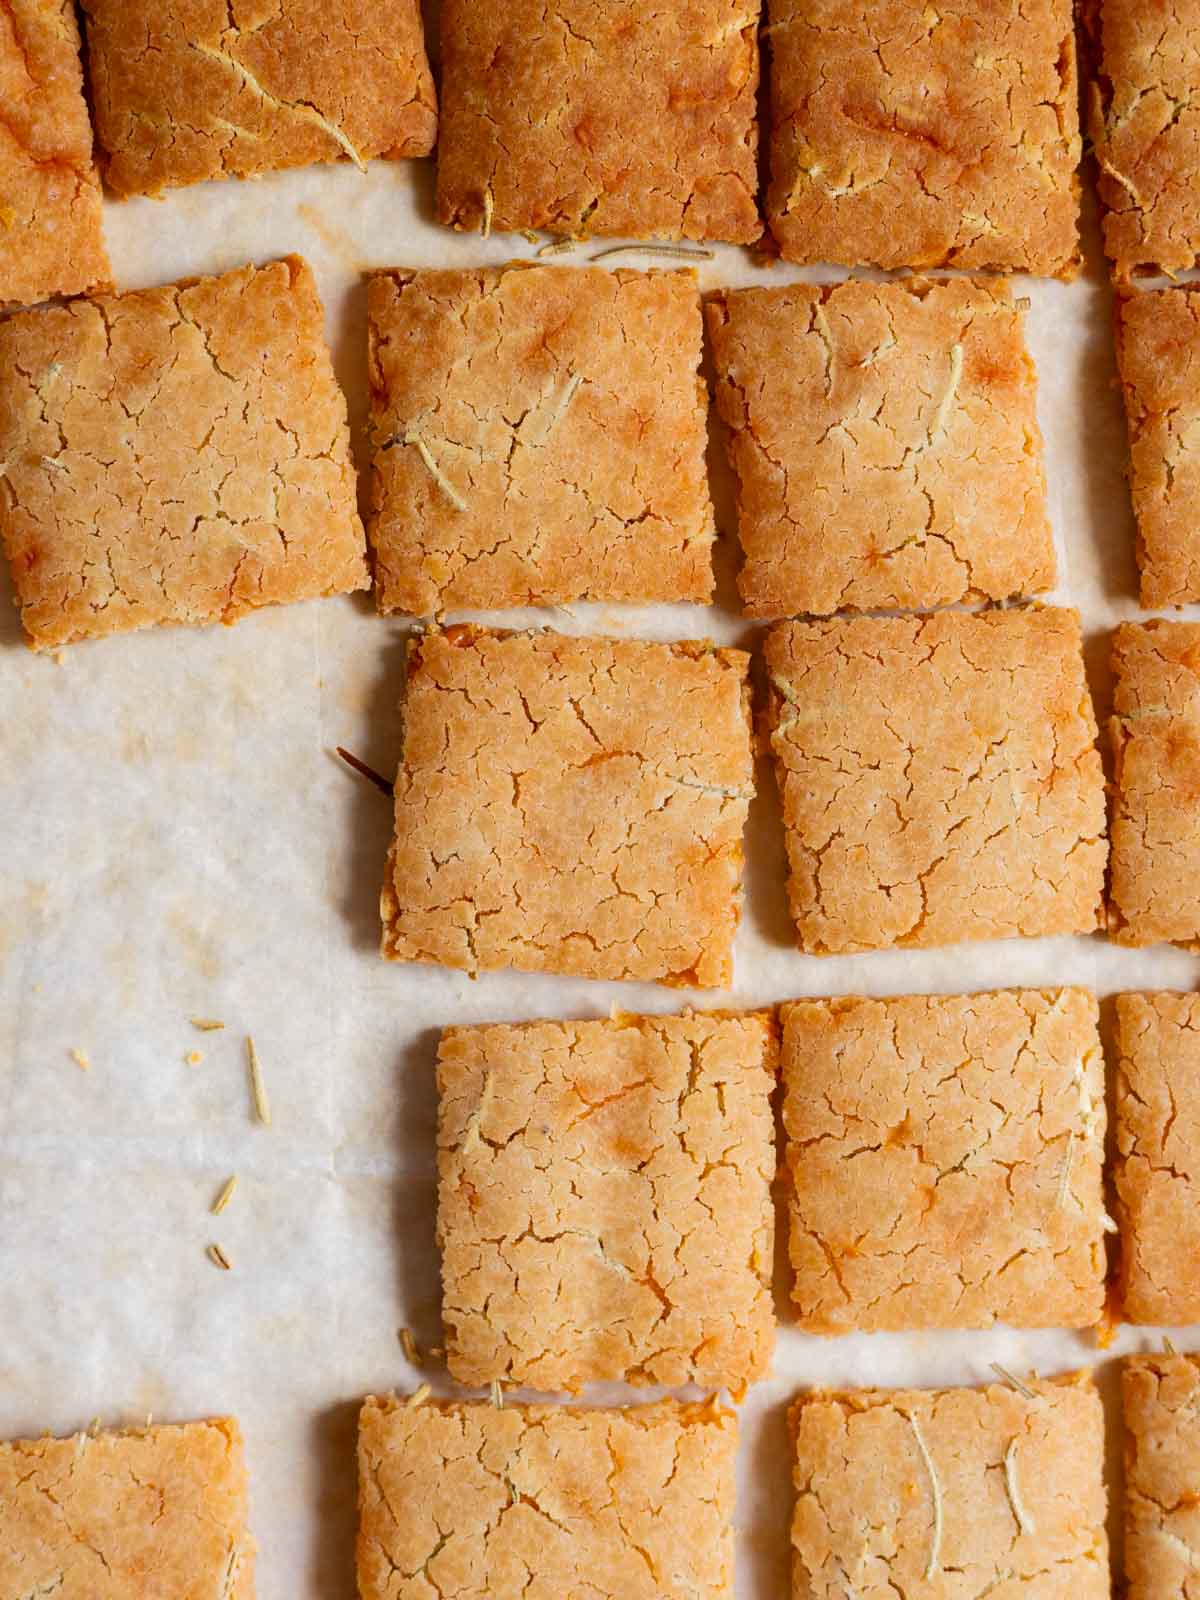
(51,237)
(1158,349)
(188,90)
(939,778)
(945,1157)
(925,135)
(1144,123)
(604,1200)
(564,410)
(127,1516)
(178,454)
(1154,894)
(600,117)
(1157,1168)
(471,1502)
(886,445)
(911,1492)
(1160,1397)
(570,805)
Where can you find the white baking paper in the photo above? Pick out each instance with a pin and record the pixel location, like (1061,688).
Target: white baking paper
(180,841)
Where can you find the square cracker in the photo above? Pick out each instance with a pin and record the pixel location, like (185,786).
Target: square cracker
(187,90)
(1157,1170)
(947,1494)
(600,116)
(178,454)
(1158,349)
(939,778)
(908,135)
(886,445)
(1160,1397)
(51,238)
(570,805)
(1145,129)
(96,1514)
(539,1502)
(539,436)
(1154,894)
(581,1167)
(945,1157)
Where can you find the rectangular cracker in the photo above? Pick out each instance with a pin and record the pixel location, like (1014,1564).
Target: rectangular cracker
(51,236)
(592,118)
(581,1169)
(570,805)
(1158,350)
(178,454)
(945,1156)
(1160,1397)
(481,1503)
(951,1493)
(189,92)
(886,445)
(908,135)
(538,437)
(939,778)
(125,1515)
(1154,893)
(1157,1169)
(1144,123)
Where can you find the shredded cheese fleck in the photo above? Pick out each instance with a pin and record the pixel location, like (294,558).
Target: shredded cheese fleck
(935,1488)
(1025,1522)
(225,1196)
(258,1089)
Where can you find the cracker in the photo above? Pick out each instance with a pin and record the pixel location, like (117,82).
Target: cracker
(1158,347)
(950,1493)
(1145,131)
(1154,894)
(99,1514)
(51,237)
(581,1169)
(570,805)
(1161,1404)
(939,778)
(886,445)
(910,135)
(564,425)
(475,1503)
(945,1155)
(603,117)
(177,454)
(1157,1170)
(188,90)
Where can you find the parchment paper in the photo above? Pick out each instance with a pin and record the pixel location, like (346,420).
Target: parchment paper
(179,841)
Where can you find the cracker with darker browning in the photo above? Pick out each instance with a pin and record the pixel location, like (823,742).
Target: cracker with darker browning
(1145,128)
(1158,347)
(886,445)
(945,1157)
(1161,1404)
(187,90)
(51,238)
(470,1502)
(178,454)
(600,116)
(157,1511)
(951,1494)
(581,1169)
(538,437)
(939,777)
(570,805)
(1157,1170)
(1154,894)
(909,135)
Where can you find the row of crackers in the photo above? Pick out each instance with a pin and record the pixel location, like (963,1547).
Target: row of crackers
(942,1494)
(900,135)
(538,437)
